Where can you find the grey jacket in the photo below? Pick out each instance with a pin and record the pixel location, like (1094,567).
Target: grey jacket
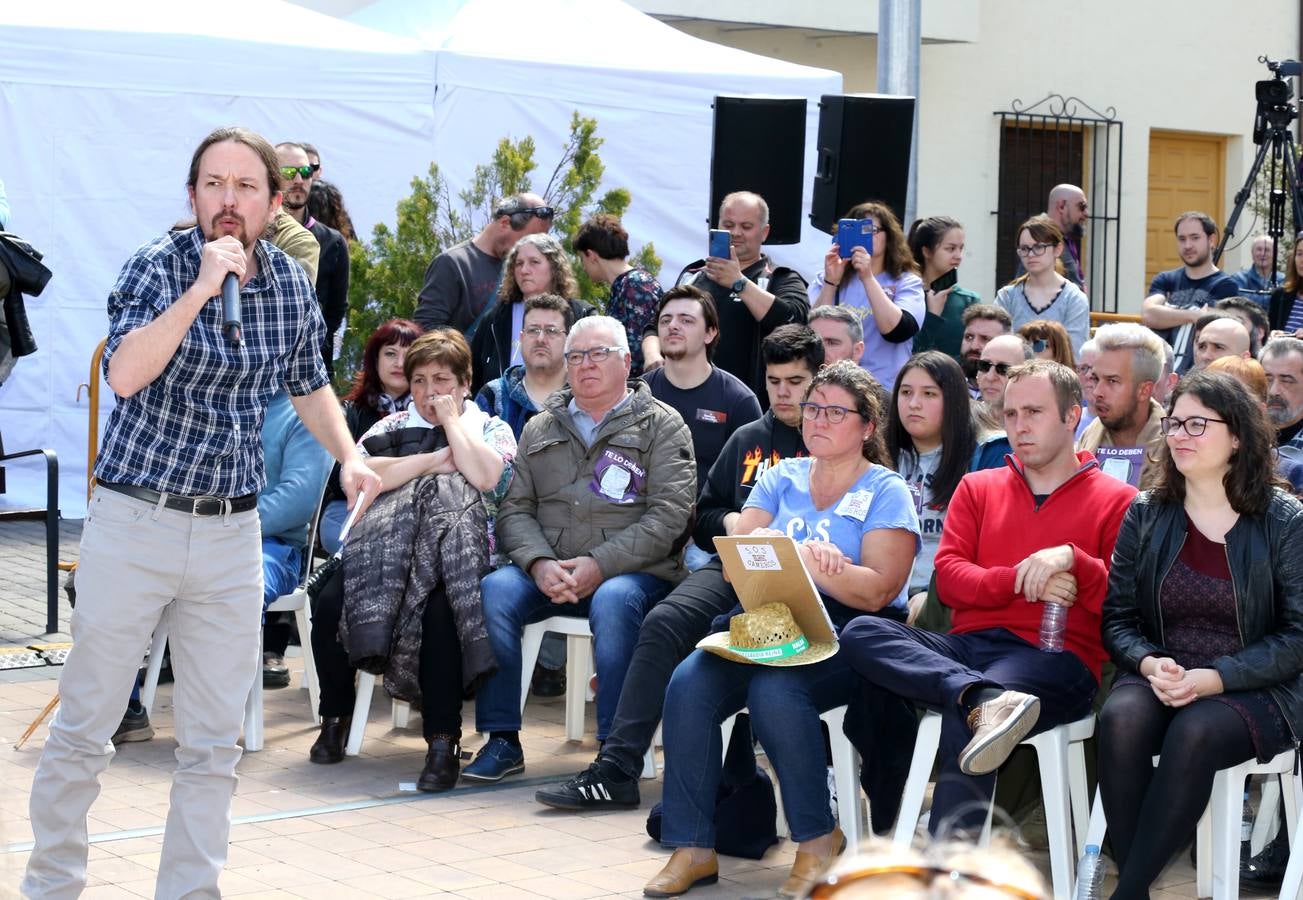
(626,501)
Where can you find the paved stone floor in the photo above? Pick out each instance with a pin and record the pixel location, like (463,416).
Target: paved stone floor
(353,830)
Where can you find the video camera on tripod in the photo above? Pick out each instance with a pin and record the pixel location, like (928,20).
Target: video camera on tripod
(1274,95)
(1271,133)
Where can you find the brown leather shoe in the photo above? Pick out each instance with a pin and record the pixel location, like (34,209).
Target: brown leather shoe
(442,764)
(329,745)
(680,876)
(998,726)
(808,868)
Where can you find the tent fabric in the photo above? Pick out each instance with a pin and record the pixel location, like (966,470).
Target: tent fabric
(100,121)
(111,99)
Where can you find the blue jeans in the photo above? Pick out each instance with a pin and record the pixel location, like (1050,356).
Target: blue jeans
(784,703)
(282,566)
(615,612)
(332,521)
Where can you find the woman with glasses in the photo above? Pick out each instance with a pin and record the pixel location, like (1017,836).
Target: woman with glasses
(1202,618)
(937,244)
(402,448)
(934,439)
(1042,292)
(536,265)
(1285,309)
(857,530)
(1048,340)
(603,248)
(881,285)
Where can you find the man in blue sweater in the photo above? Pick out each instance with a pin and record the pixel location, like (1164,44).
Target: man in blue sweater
(297,467)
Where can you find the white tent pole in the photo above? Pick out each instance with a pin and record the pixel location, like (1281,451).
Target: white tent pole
(899,35)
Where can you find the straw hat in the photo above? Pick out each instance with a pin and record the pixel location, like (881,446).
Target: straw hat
(769,636)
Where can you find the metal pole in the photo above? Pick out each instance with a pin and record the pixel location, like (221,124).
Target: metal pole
(899,36)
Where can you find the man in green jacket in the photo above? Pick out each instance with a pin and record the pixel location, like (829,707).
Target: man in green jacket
(594,522)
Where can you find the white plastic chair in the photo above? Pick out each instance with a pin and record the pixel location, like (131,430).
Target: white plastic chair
(845,771)
(579,671)
(1217,838)
(1293,881)
(399,711)
(1061,756)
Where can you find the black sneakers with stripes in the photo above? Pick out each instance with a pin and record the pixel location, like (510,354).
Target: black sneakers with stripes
(600,786)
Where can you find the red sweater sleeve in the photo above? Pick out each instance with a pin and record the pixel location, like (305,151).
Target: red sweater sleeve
(961,582)
(1092,573)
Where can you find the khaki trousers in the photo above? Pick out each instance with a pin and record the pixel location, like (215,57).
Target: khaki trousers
(139,560)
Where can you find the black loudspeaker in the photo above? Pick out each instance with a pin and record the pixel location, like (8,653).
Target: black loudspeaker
(864,142)
(759,145)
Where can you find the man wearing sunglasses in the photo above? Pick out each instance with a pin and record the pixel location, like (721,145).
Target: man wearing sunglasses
(999,356)
(332,272)
(460,282)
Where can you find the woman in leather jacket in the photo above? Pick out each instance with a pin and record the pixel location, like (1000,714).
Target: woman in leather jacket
(1204,619)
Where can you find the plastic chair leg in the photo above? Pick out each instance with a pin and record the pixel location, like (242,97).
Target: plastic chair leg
(366,683)
(578,671)
(920,771)
(531,639)
(149,690)
(846,770)
(1053,763)
(303,618)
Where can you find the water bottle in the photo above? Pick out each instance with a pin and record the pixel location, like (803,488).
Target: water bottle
(1054,619)
(1090,875)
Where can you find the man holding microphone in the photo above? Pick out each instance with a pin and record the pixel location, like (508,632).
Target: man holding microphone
(173,524)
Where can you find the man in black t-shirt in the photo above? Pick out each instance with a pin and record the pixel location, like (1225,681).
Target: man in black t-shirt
(753,295)
(1177,298)
(713,402)
(461,282)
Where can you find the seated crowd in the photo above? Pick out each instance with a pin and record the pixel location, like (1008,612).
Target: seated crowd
(947,468)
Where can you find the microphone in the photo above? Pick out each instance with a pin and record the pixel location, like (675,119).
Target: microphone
(231,309)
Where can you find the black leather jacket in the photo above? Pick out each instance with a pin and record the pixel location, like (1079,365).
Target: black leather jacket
(1266,561)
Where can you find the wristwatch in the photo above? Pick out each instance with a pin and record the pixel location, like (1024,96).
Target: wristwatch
(740,285)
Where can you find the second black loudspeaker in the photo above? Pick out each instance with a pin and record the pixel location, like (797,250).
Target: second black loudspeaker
(759,145)
(863,154)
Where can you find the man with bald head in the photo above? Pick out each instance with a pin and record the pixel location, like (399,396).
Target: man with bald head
(460,282)
(1068,207)
(753,295)
(999,355)
(1223,336)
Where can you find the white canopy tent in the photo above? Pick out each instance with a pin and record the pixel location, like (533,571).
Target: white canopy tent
(101,106)
(511,68)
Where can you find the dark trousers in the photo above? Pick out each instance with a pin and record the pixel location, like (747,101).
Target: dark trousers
(440,676)
(669,633)
(934,670)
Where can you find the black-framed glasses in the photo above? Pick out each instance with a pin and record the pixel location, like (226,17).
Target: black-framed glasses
(834,414)
(541,212)
(1194,426)
(1033,250)
(596,354)
(1001,369)
(550,331)
(305,172)
(925,875)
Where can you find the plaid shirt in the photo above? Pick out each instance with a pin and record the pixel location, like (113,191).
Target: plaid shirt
(195,430)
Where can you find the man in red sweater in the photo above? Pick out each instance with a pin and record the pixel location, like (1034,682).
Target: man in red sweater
(1040,530)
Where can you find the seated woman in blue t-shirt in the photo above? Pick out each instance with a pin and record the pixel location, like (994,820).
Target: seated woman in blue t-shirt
(856,526)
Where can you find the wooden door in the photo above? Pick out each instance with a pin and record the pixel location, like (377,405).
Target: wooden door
(1186,172)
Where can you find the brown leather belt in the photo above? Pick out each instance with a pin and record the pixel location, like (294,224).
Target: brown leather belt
(195,506)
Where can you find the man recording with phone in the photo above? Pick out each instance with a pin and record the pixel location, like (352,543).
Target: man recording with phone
(753,296)
(173,526)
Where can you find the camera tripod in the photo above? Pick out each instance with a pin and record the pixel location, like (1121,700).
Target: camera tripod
(1276,143)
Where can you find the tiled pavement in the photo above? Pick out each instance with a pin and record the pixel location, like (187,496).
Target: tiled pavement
(349,830)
